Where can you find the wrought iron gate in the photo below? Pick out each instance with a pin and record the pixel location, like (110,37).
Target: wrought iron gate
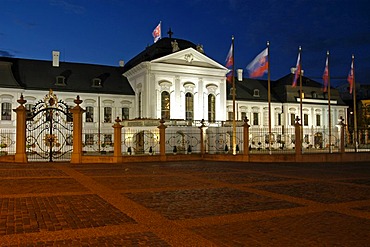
(49,130)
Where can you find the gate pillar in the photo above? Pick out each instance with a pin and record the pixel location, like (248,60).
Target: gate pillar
(77,131)
(246,137)
(20,147)
(117,155)
(162,139)
(202,128)
(298,137)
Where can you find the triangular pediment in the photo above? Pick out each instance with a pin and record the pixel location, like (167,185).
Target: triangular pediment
(189,57)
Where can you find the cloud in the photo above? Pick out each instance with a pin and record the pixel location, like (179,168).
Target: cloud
(68,7)
(4,53)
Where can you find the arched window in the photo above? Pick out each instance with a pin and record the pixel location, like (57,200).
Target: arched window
(165,107)
(211,108)
(189,106)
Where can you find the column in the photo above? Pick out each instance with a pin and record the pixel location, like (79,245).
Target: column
(117,154)
(246,137)
(77,131)
(20,147)
(162,140)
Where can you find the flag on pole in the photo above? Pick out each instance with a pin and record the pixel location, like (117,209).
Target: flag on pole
(350,78)
(297,71)
(325,76)
(259,65)
(229,63)
(157,32)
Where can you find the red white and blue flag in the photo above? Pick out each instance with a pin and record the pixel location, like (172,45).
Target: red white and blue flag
(259,65)
(229,63)
(157,33)
(297,71)
(350,78)
(325,76)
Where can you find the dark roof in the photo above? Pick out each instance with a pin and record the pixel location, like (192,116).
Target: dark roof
(41,75)
(245,90)
(162,47)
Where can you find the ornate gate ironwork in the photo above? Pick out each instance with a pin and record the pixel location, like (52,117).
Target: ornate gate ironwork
(49,130)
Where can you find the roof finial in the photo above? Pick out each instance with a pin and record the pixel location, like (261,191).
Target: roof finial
(170,33)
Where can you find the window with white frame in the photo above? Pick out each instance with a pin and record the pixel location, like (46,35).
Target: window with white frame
(211,108)
(292,119)
(256,93)
(165,105)
(107,114)
(125,113)
(318,120)
(255,118)
(89,114)
(189,106)
(6,111)
(305,119)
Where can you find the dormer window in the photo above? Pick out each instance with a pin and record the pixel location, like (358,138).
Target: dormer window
(314,95)
(60,80)
(96,82)
(256,93)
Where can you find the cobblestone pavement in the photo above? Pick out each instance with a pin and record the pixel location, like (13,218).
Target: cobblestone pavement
(185,204)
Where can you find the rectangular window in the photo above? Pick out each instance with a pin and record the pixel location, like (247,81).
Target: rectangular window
(292,119)
(305,119)
(6,111)
(230,115)
(318,120)
(125,113)
(278,120)
(89,139)
(107,114)
(243,115)
(108,139)
(89,114)
(255,118)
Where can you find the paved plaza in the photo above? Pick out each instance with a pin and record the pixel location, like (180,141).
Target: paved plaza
(185,204)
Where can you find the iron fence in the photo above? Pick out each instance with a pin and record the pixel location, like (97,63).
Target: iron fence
(140,140)
(7,142)
(95,143)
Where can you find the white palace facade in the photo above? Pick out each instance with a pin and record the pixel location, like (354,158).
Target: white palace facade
(172,79)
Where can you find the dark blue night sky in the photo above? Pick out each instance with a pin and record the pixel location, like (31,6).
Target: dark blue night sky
(106,31)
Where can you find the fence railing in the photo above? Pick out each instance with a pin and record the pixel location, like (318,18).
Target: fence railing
(7,142)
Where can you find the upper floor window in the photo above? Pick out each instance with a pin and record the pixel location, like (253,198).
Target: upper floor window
(107,114)
(292,119)
(255,118)
(189,106)
(256,93)
(96,82)
(125,113)
(211,108)
(29,110)
(305,119)
(243,115)
(230,115)
(69,114)
(318,120)
(6,111)
(278,120)
(60,81)
(166,104)
(89,114)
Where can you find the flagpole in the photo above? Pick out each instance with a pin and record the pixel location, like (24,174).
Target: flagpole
(354,104)
(269,93)
(329,108)
(234,123)
(300,92)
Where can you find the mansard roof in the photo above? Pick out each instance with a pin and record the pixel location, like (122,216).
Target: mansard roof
(78,77)
(162,47)
(245,90)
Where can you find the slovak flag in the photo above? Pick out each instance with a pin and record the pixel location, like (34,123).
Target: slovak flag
(325,76)
(297,71)
(229,59)
(229,63)
(350,78)
(259,65)
(157,33)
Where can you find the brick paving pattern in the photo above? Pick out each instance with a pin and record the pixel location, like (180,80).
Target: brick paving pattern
(185,204)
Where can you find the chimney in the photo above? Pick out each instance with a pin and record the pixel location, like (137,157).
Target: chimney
(56,58)
(121,63)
